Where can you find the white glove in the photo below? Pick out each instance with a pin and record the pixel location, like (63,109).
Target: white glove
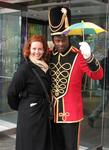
(85,49)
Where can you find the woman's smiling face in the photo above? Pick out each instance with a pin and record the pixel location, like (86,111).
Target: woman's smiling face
(36,50)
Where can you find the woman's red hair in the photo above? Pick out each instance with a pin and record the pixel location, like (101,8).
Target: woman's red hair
(35,38)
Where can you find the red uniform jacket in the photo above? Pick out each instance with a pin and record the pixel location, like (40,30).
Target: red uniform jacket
(67,71)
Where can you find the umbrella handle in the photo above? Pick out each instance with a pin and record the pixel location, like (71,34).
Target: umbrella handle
(83,34)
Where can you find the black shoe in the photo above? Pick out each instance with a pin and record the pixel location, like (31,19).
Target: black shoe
(91,122)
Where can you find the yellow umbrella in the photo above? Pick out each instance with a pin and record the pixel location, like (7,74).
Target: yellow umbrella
(83,28)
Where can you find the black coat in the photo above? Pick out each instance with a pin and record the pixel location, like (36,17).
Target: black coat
(33,128)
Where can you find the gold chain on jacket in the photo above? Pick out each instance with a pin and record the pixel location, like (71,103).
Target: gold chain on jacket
(60,75)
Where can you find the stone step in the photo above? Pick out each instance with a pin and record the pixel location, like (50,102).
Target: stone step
(5,125)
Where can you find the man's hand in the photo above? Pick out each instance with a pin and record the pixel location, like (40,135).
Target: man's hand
(85,49)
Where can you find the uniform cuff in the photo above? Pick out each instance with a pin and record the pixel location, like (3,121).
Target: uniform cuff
(93,63)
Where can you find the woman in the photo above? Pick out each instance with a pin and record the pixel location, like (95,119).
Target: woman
(33,128)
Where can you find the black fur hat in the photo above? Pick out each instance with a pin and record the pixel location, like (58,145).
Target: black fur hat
(59,19)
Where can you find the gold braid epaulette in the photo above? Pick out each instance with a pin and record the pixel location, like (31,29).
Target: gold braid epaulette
(75,50)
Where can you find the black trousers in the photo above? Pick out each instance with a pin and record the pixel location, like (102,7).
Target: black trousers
(65,136)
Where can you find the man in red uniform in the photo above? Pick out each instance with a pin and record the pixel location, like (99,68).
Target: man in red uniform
(68,66)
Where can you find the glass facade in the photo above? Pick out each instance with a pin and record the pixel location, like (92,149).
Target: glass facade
(10,39)
(94,128)
(14,30)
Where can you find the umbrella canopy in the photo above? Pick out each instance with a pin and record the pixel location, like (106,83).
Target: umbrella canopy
(83,28)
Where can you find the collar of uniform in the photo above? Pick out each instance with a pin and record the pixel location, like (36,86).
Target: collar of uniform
(56,52)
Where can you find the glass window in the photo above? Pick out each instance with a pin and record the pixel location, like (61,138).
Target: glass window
(10,39)
(94,128)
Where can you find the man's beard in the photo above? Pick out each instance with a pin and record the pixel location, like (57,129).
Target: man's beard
(61,49)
